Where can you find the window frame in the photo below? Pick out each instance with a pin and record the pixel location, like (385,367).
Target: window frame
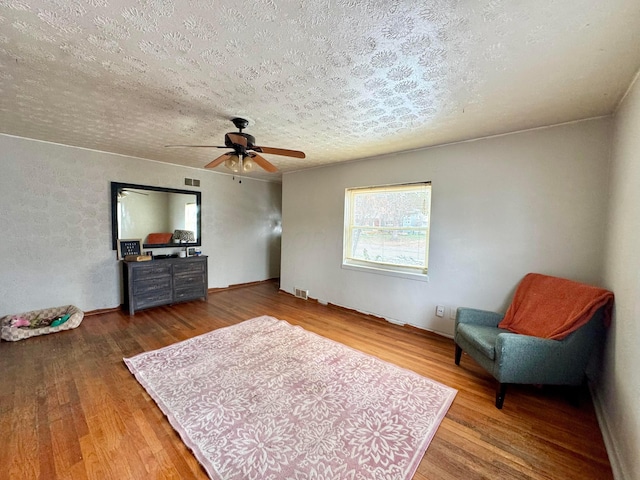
(400,270)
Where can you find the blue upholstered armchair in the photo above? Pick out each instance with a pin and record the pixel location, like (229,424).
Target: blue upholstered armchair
(515,358)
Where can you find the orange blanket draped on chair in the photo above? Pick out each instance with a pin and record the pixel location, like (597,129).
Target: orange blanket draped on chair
(552,307)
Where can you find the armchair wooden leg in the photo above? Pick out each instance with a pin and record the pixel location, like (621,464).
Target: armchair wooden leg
(502,391)
(458,354)
(573,395)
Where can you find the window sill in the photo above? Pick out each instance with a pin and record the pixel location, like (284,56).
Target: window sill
(420,277)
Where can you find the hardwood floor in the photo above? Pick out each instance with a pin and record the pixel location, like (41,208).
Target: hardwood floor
(70,409)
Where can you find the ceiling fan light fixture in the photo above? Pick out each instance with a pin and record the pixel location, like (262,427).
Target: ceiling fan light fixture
(247,164)
(233,163)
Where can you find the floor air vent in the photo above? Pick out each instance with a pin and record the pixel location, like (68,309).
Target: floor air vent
(303,294)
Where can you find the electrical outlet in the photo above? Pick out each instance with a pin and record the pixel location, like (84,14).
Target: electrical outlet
(440,311)
(452,312)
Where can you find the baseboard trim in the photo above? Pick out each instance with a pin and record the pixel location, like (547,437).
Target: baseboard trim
(242,285)
(617,466)
(210,290)
(370,316)
(102,310)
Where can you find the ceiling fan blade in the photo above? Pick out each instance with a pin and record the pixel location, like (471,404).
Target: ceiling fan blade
(237,139)
(218,160)
(268,166)
(280,151)
(128,190)
(196,146)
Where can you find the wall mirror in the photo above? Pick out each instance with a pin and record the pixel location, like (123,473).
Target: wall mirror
(160,217)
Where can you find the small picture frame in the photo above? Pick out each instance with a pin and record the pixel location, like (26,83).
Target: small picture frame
(129,246)
(191,252)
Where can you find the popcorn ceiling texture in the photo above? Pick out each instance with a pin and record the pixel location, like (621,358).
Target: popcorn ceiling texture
(339,80)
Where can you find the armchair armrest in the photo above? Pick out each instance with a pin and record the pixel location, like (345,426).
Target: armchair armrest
(478,317)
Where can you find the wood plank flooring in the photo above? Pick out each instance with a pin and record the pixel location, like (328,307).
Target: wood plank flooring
(70,409)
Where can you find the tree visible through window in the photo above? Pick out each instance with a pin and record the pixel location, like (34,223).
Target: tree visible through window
(388,227)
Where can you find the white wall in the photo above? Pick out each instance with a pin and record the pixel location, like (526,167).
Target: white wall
(501,207)
(55,220)
(618,398)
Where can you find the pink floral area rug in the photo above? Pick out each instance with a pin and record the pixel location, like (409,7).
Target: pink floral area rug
(267,400)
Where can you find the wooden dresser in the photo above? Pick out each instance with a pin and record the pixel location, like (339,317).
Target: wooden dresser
(164,281)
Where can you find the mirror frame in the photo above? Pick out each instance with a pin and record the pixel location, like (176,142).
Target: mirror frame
(115,186)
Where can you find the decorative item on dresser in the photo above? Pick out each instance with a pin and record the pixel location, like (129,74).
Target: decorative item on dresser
(163,281)
(184,236)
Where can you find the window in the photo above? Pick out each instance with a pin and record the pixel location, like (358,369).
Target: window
(191,217)
(387,228)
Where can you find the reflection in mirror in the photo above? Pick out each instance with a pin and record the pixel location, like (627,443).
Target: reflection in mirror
(160,217)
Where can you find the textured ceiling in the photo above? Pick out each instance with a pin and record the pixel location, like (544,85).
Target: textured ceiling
(340,80)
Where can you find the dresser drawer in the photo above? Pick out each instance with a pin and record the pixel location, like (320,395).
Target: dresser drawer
(154,270)
(189,293)
(161,284)
(188,280)
(187,267)
(152,299)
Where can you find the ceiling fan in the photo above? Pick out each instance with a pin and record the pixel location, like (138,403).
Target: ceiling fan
(245,152)
(122,193)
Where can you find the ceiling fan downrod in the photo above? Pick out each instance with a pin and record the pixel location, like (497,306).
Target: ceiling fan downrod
(240,123)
